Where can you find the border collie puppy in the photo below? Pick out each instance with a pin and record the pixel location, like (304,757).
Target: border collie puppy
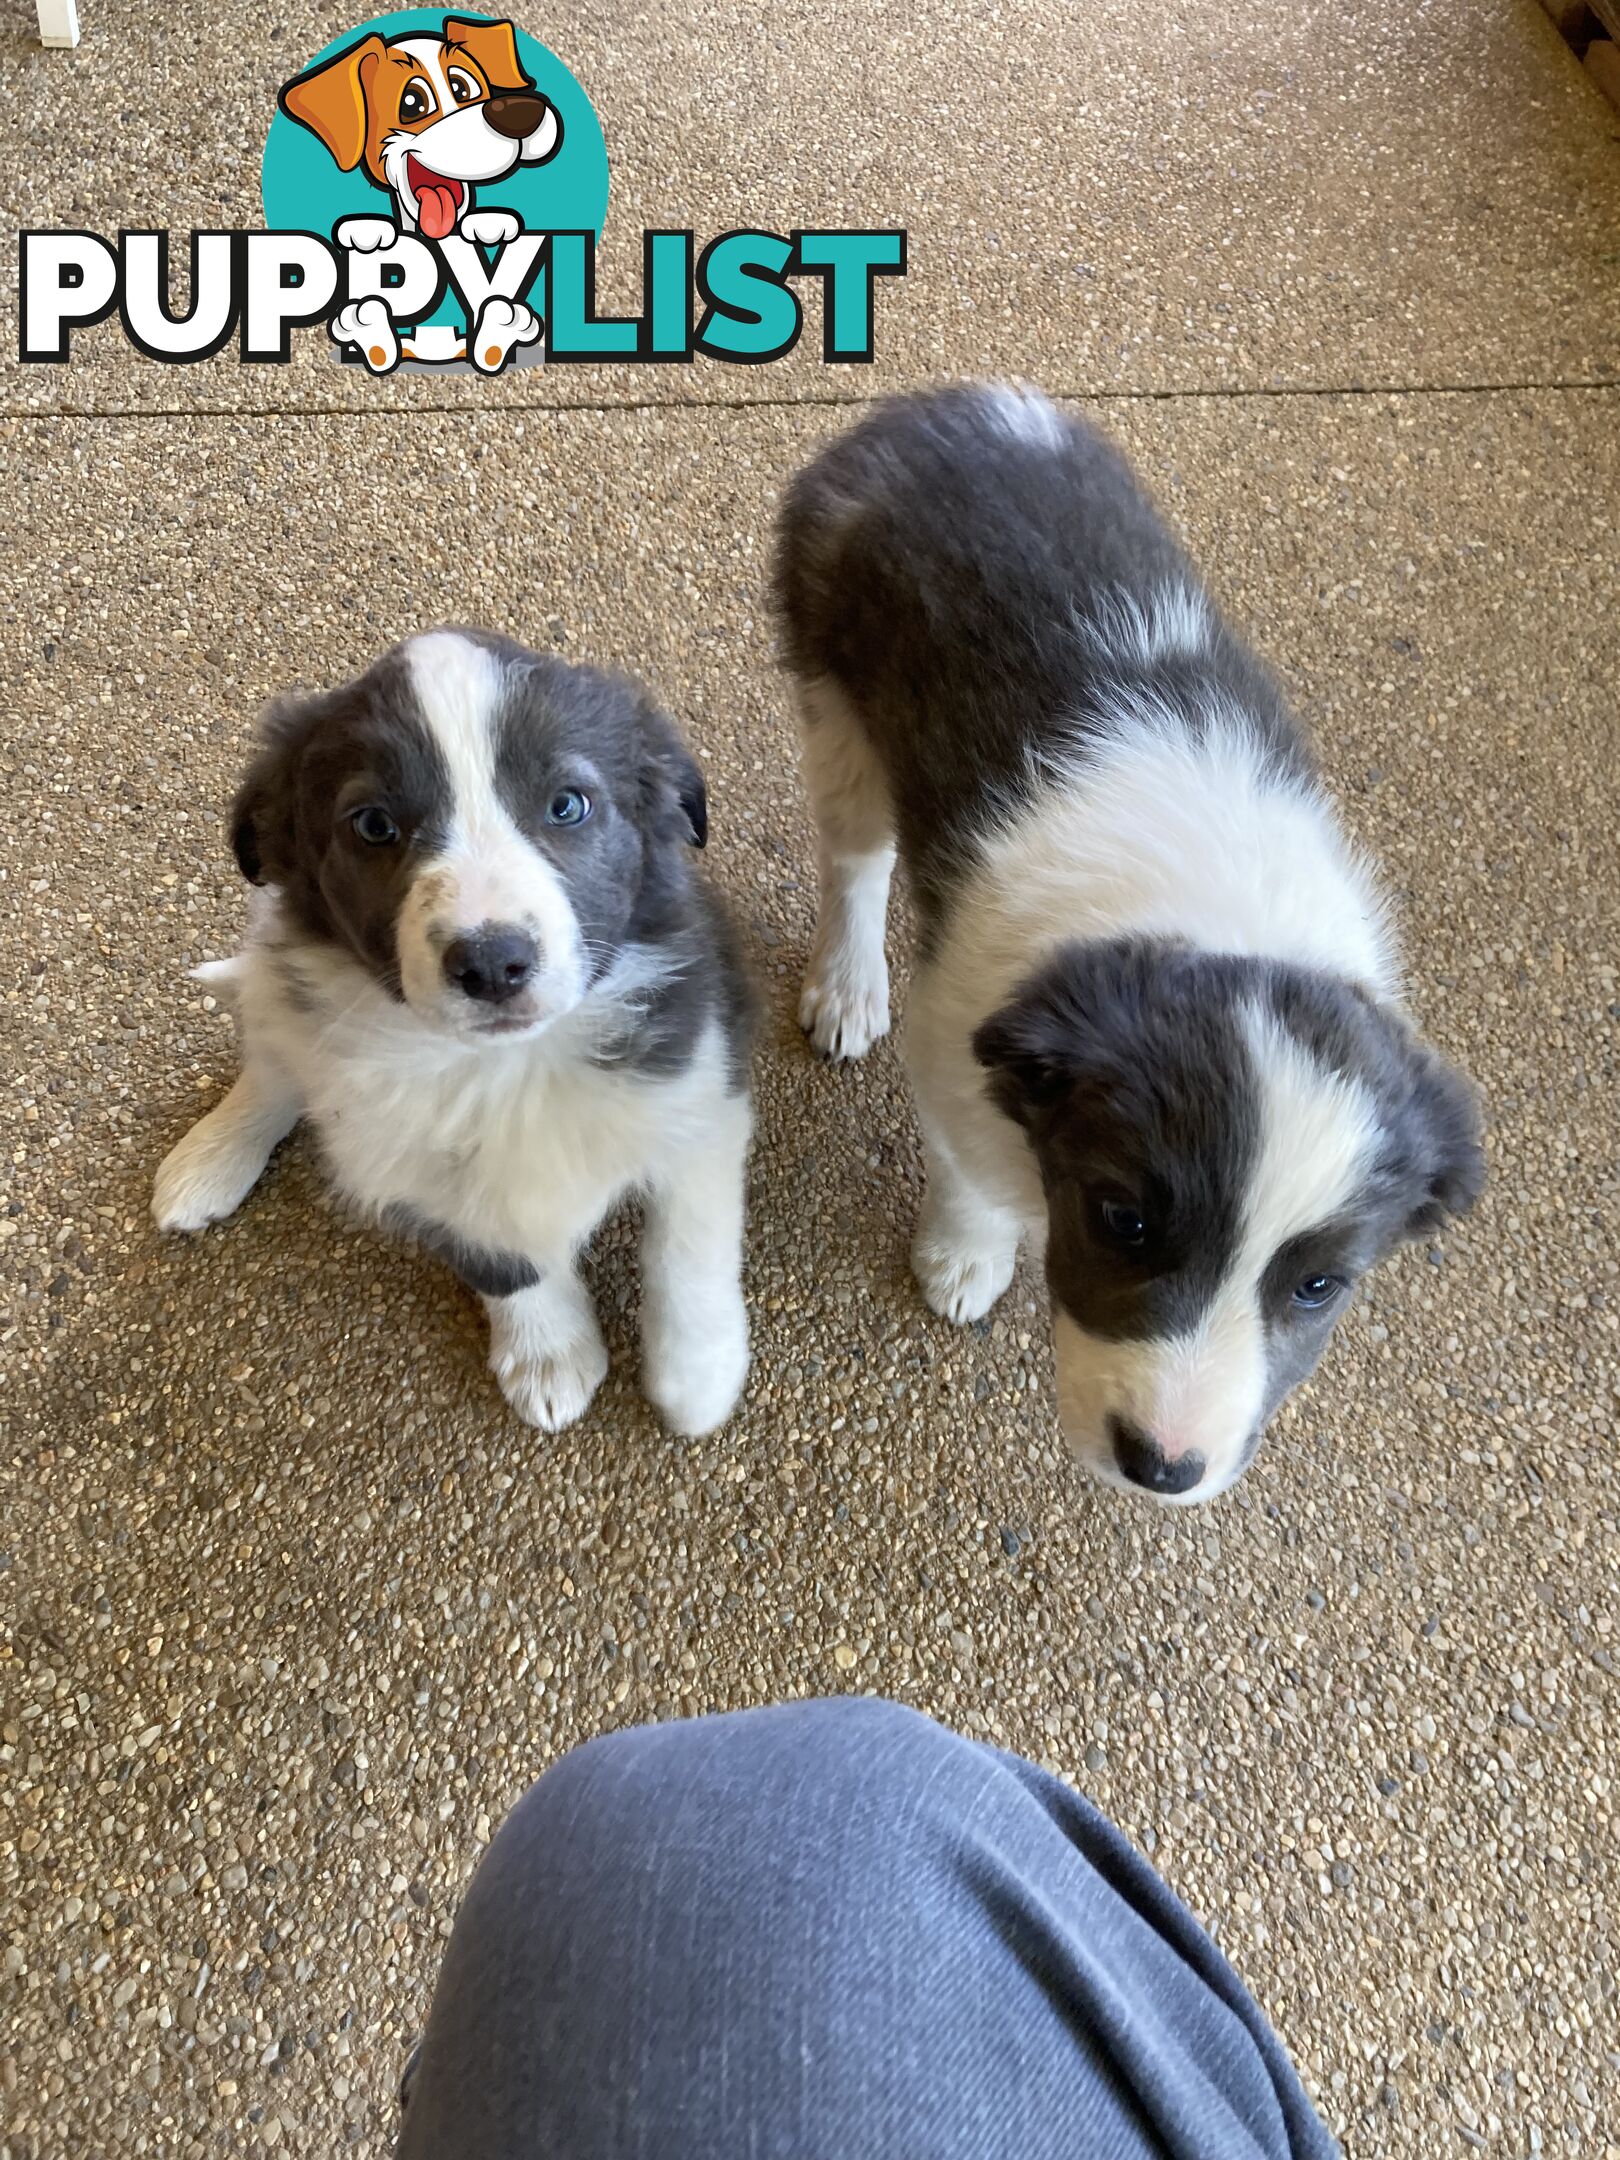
(1154,1024)
(484,970)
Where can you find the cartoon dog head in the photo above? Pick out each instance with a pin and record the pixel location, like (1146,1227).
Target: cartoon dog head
(428,117)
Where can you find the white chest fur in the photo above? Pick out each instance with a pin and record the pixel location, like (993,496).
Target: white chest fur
(518,1147)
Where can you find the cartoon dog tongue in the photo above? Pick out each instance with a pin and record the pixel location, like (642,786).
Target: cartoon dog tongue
(436,204)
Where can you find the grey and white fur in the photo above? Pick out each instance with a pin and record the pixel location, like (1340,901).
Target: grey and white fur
(483,968)
(1154,1024)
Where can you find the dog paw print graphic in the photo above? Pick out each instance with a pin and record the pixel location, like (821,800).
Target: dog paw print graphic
(438,150)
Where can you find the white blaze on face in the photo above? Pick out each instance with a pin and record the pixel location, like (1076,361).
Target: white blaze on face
(487,873)
(429,55)
(1205,1393)
(458,143)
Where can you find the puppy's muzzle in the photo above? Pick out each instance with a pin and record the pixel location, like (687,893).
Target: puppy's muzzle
(515,114)
(492,965)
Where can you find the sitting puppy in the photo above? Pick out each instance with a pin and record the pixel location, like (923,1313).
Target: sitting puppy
(486,973)
(1154,1023)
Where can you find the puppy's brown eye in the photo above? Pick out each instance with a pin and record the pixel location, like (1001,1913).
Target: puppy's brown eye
(375,827)
(417,101)
(462,87)
(1122,1224)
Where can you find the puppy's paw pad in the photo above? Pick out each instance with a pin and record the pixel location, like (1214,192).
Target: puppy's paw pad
(694,1386)
(843,1018)
(490,228)
(960,1286)
(551,1390)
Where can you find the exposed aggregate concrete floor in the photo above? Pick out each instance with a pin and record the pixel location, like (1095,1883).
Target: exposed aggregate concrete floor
(291,1609)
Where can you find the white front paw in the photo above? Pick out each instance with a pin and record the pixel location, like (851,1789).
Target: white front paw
(693,1375)
(843,1013)
(365,235)
(203,1179)
(551,1387)
(368,328)
(502,326)
(490,228)
(959,1284)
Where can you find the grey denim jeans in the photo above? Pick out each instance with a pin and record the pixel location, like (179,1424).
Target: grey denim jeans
(833,1930)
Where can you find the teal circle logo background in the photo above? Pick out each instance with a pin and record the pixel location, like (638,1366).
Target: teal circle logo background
(305,191)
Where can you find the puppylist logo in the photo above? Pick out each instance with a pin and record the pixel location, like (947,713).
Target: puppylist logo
(421,143)
(435,186)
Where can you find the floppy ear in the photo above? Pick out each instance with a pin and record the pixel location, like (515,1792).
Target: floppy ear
(263,814)
(331,100)
(246,818)
(1029,1048)
(1442,1128)
(674,776)
(494,46)
(693,797)
(1099,1016)
(1078,1015)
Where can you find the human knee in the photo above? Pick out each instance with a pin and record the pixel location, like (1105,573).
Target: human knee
(762,1779)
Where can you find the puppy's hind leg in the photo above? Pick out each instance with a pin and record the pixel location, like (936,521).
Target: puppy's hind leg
(212,1170)
(845,1004)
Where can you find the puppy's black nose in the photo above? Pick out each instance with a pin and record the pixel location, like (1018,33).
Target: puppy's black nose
(515,114)
(491,965)
(1146,1464)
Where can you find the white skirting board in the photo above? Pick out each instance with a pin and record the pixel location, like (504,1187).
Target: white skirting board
(58,22)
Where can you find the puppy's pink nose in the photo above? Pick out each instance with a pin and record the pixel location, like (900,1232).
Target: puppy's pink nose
(1146,1464)
(515,113)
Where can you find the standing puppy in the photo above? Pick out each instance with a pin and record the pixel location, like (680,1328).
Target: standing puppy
(1154,1022)
(486,972)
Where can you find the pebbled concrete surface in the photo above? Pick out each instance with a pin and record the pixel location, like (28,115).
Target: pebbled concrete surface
(290,1609)
(296,1608)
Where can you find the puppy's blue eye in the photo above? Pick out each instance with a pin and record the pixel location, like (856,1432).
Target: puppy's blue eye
(1316,1291)
(375,827)
(568,807)
(1122,1223)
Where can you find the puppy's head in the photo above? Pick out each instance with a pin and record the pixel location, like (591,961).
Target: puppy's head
(427,117)
(484,828)
(1226,1146)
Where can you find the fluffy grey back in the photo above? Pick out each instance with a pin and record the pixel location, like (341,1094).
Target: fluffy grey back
(992,589)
